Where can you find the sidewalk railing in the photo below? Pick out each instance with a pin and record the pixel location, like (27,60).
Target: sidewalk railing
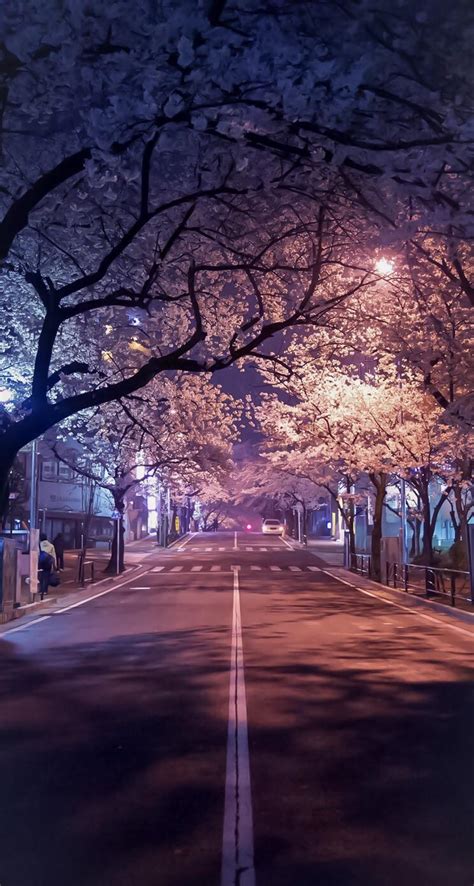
(452,585)
(362,564)
(85,569)
(449,585)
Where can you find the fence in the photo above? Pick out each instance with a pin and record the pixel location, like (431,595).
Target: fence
(452,585)
(85,569)
(431,581)
(362,564)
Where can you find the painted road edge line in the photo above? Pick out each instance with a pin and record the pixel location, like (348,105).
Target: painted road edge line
(235,541)
(30,624)
(237,838)
(415,611)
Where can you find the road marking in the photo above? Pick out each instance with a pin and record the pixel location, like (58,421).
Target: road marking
(264,549)
(185,542)
(208,549)
(176,569)
(275,568)
(256,568)
(235,541)
(314,569)
(221,549)
(249,549)
(215,568)
(67,608)
(237,840)
(285,542)
(157,568)
(29,625)
(294,568)
(437,621)
(196,568)
(141,588)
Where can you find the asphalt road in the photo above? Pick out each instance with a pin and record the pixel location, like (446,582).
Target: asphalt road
(118,765)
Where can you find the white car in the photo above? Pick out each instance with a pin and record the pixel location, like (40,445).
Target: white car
(273,527)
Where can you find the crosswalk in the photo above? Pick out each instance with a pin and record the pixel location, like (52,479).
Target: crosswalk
(218,567)
(213,549)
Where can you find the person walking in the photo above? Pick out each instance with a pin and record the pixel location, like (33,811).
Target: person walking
(47,565)
(48,548)
(58,542)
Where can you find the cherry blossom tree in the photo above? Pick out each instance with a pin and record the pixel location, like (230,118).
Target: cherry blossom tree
(334,428)
(214,174)
(180,433)
(271,484)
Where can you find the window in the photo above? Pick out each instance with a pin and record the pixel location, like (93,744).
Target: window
(52,469)
(65,472)
(48,469)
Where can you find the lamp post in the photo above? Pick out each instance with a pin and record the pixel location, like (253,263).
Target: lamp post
(34,486)
(117,517)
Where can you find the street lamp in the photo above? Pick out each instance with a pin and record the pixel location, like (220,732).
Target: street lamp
(6,395)
(384,267)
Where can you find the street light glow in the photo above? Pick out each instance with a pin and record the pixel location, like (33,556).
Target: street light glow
(384,267)
(6,395)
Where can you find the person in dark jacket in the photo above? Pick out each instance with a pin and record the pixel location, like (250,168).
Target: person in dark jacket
(58,543)
(45,570)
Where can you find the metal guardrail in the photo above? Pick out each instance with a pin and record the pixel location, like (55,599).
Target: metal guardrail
(361,563)
(426,581)
(85,566)
(430,581)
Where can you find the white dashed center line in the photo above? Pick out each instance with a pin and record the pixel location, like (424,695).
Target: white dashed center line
(237,841)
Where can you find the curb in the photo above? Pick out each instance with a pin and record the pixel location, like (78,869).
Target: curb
(396,595)
(29,608)
(401,597)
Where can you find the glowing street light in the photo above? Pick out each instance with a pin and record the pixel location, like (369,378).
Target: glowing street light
(6,395)
(384,267)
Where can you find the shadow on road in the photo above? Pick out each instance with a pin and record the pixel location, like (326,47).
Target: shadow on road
(360,741)
(113,763)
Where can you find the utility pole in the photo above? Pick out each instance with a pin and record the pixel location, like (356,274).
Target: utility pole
(403,512)
(159,515)
(34,486)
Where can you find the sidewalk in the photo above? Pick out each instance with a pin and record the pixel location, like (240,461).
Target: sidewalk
(134,553)
(329,550)
(70,588)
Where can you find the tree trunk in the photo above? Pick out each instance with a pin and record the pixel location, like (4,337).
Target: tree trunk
(111,568)
(415,537)
(460,530)
(456,525)
(427,549)
(116,564)
(379,481)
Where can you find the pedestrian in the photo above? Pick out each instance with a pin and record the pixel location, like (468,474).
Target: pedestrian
(58,543)
(48,548)
(45,567)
